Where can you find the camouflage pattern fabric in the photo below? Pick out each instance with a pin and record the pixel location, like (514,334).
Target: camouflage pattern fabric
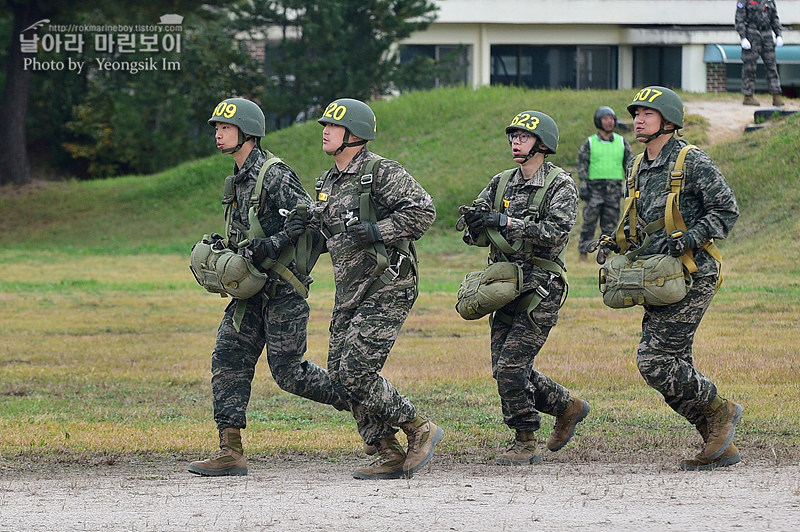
(363,331)
(524,392)
(279,323)
(664,356)
(707,203)
(603,202)
(709,208)
(757,20)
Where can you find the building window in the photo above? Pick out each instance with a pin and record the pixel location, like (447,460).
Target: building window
(451,63)
(657,65)
(573,67)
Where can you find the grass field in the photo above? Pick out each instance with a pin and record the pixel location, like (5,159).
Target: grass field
(105,339)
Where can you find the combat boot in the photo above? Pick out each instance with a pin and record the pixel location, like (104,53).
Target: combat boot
(777,101)
(230,461)
(701,463)
(369,449)
(721,417)
(422,436)
(749,100)
(389,464)
(564,429)
(522,451)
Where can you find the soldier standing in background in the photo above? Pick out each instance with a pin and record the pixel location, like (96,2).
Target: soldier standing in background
(277,315)
(370,215)
(602,160)
(756,20)
(520,329)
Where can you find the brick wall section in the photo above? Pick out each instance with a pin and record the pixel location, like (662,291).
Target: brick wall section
(256,49)
(716,77)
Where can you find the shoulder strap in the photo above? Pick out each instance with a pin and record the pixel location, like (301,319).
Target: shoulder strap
(256,231)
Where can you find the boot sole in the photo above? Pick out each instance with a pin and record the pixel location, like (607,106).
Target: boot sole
(535,459)
(581,417)
(723,462)
(379,476)
(439,436)
(736,418)
(232,472)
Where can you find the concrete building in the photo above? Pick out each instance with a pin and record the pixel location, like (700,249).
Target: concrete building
(599,44)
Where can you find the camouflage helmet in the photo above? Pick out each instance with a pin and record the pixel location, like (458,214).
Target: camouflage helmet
(538,124)
(663,100)
(354,115)
(600,113)
(242,113)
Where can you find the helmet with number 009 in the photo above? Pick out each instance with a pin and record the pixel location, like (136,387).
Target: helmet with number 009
(600,113)
(663,100)
(540,125)
(242,113)
(355,115)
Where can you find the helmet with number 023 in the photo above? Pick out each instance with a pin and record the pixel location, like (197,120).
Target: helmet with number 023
(354,115)
(663,100)
(538,124)
(242,113)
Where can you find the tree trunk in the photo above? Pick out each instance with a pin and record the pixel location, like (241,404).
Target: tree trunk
(14,164)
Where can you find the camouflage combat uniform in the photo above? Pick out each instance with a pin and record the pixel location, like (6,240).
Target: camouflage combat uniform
(601,196)
(756,20)
(279,322)
(524,391)
(709,208)
(363,330)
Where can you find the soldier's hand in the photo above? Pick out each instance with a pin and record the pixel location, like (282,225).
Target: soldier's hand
(366,232)
(679,243)
(605,246)
(261,249)
(474,219)
(494,219)
(779,41)
(746,44)
(294,226)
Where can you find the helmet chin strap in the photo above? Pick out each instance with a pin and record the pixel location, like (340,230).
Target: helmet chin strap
(238,147)
(346,144)
(537,148)
(657,134)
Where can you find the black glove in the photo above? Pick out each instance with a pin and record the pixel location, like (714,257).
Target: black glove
(494,219)
(366,232)
(294,226)
(261,249)
(605,246)
(679,243)
(474,219)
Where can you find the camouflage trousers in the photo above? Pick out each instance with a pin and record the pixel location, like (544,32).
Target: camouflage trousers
(360,341)
(664,356)
(281,326)
(602,206)
(761,45)
(524,391)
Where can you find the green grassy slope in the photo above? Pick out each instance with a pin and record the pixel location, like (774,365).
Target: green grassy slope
(451,140)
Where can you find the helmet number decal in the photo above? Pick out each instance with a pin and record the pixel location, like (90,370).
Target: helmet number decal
(647,95)
(526,120)
(228,110)
(335,111)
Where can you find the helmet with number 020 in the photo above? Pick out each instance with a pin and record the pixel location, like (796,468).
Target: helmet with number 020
(242,113)
(600,113)
(540,125)
(355,115)
(663,100)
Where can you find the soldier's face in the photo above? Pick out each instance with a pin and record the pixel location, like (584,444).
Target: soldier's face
(226,135)
(646,121)
(608,122)
(332,137)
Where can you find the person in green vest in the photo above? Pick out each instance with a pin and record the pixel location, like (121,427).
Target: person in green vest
(534,204)
(602,160)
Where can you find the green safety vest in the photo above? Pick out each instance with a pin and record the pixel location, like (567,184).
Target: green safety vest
(605,161)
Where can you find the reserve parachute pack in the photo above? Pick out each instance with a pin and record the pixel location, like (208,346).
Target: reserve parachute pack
(488,291)
(405,251)
(630,279)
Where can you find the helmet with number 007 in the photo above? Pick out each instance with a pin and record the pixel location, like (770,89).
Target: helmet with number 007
(663,100)
(355,115)
(540,125)
(242,113)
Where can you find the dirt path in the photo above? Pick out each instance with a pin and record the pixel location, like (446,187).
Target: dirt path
(315,494)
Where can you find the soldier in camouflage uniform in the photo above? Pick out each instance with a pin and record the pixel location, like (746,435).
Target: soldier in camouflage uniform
(368,312)
(276,316)
(756,20)
(517,336)
(709,209)
(602,160)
